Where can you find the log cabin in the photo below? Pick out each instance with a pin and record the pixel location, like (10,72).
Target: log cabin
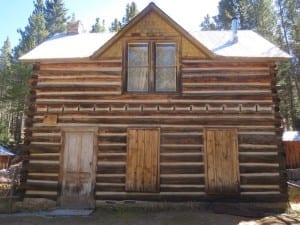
(155,113)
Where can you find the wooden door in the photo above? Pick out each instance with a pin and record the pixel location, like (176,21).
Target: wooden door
(221,161)
(78,172)
(142,171)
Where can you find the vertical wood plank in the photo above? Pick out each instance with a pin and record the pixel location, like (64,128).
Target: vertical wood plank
(148,162)
(142,171)
(78,170)
(221,161)
(140,138)
(130,162)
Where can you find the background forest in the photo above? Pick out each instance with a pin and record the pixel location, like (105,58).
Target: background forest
(276,20)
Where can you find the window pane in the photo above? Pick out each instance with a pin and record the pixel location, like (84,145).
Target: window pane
(137,55)
(137,67)
(137,79)
(165,79)
(165,71)
(165,54)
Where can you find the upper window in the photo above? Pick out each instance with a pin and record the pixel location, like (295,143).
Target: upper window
(151,67)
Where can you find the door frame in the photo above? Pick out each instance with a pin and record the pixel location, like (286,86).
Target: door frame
(76,129)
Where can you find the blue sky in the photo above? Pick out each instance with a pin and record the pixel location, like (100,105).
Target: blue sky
(188,13)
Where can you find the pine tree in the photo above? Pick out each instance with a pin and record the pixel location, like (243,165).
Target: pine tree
(288,12)
(98,27)
(55,15)
(130,12)
(35,32)
(115,26)
(13,89)
(5,54)
(256,15)
(207,24)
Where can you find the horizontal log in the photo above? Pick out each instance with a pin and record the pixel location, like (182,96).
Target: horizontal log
(100,92)
(225,64)
(79,65)
(259,167)
(41,186)
(183,180)
(181,158)
(175,98)
(45,157)
(110,178)
(46,139)
(112,149)
(232,79)
(42,168)
(43,148)
(226,87)
(110,169)
(63,73)
(181,169)
(110,187)
(258,188)
(259,139)
(75,84)
(181,188)
(258,158)
(111,157)
(182,139)
(256,178)
(258,147)
(41,194)
(270,199)
(42,176)
(112,138)
(83,88)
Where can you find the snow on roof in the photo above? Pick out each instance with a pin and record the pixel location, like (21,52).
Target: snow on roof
(63,46)
(83,45)
(249,44)
(291,136)
(5,151)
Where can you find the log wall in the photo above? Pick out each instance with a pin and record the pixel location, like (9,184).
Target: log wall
(225,94)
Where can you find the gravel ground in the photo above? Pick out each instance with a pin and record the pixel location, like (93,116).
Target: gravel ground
(141,216)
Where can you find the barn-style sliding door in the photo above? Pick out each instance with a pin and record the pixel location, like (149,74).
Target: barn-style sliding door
(142,168)
(78,168)
(221,161)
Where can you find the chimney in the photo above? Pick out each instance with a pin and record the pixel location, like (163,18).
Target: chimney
(75,28)
(234,28)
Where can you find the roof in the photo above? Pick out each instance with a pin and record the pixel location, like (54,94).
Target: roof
(213,43)
(291,136)
(63,46)
(249,44)
(5,151)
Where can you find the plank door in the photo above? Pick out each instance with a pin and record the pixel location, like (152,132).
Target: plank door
(221,161)
(78,172)
(142,170)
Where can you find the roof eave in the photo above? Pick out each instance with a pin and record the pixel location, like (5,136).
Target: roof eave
(48,60)
(246,58)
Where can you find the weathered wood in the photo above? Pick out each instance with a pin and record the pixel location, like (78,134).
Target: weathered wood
(221,161)
(142,173)
(213,94)
(78,169)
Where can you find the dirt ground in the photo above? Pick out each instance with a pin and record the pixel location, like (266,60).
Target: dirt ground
(112,215)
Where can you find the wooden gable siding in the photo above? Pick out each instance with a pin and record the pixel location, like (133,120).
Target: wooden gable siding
(213,94)
(155,27)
